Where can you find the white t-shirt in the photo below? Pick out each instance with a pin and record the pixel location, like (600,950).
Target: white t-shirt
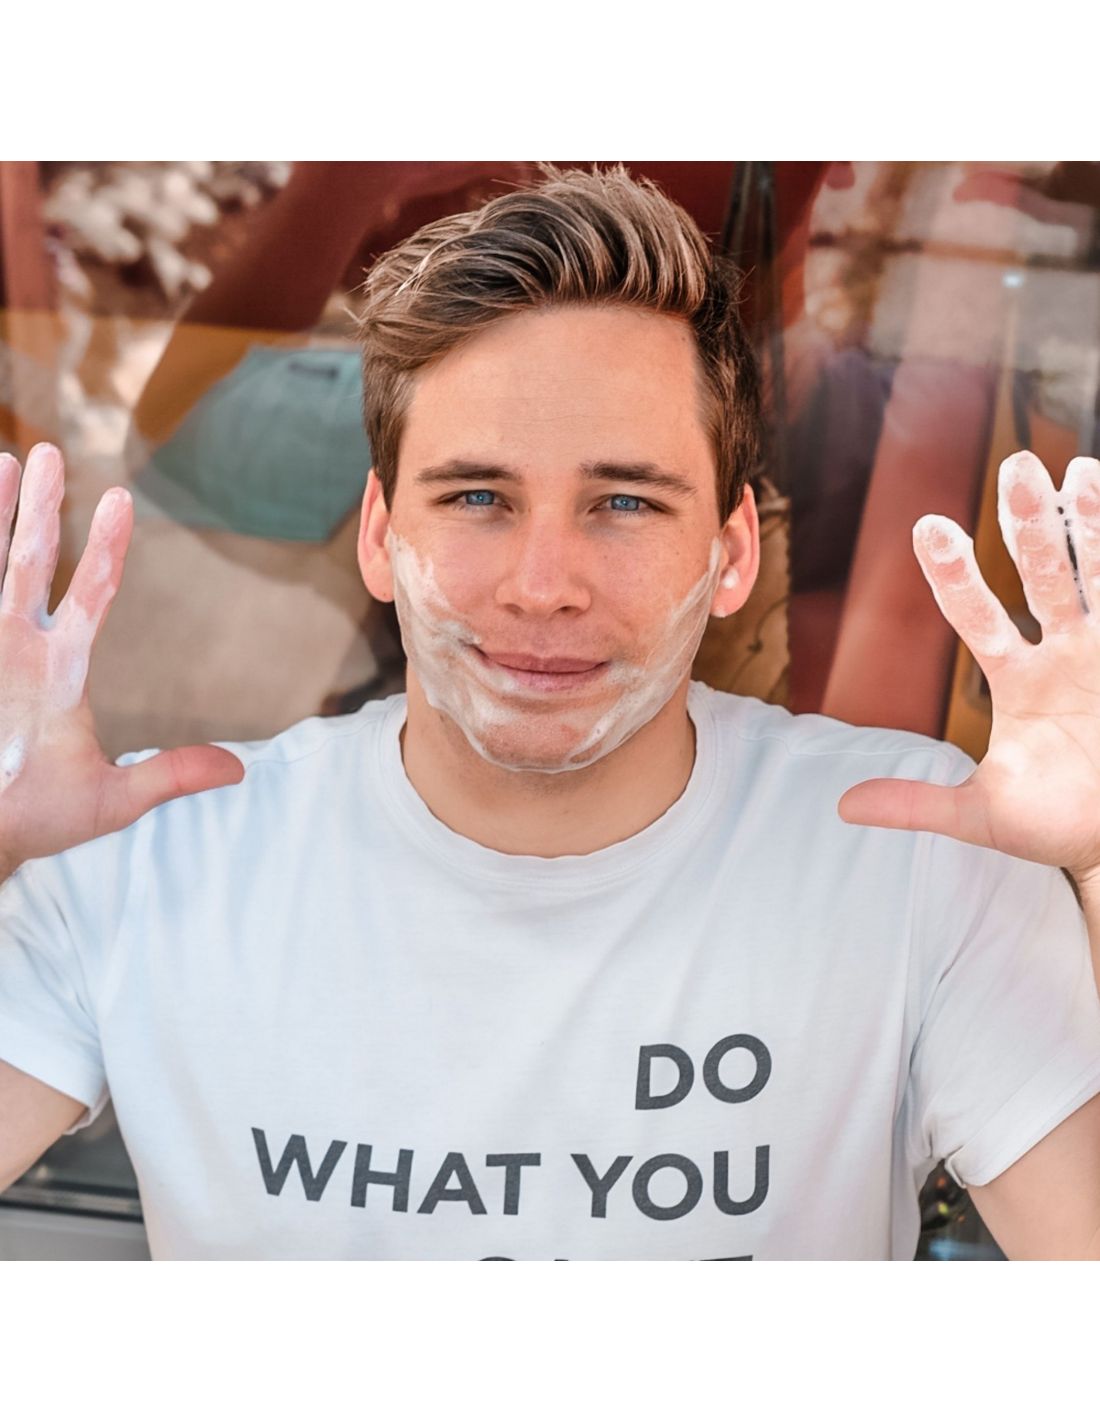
(333,1028)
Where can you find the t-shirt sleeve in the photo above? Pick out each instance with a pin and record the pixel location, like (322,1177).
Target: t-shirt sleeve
(1009,1038)
(59,918)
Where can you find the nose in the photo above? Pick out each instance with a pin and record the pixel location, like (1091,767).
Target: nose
(546,570)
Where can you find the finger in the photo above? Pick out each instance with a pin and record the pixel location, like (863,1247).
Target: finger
(34,546)
(99,572)
(946,556)
(915,805)
(9,495)
(1081,501)
(133,790)
(1034,531)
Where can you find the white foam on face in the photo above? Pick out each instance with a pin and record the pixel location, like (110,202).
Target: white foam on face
(12,759)
(483,699)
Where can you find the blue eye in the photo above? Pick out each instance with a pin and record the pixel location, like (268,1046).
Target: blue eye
(488,498)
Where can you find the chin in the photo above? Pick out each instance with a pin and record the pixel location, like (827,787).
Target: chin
(534,750)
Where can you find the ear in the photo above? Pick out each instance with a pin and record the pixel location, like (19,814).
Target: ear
(374,560)
(740,537)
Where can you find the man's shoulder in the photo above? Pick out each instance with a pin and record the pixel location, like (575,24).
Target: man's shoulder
(777,733)
(283,775)
(286,777)
(300,744)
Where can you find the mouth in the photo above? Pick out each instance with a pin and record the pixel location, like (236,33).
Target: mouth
(544,673)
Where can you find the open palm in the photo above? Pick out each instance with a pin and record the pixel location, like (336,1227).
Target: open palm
(57,788)
(1036,793)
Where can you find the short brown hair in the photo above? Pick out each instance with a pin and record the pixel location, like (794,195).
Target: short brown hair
(580,237)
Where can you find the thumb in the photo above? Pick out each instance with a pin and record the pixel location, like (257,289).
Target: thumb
(167,776)
(903,804)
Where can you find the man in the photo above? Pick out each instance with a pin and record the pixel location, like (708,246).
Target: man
(560,955)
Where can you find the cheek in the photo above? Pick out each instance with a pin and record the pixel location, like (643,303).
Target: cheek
(461,582)
(630,587)
(635,581)
(420,585)
(660,614)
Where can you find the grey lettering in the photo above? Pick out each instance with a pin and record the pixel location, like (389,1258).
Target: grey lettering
(722,1183)
(513,1164)
(760,1078)
(644,1100)
(398,1178)
(295,1153)
(465,1190)
(601,1185)
(692,1175)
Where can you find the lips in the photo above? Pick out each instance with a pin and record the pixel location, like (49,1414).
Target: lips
(519,661)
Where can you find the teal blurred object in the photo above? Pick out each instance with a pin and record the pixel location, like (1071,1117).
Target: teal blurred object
(275,449)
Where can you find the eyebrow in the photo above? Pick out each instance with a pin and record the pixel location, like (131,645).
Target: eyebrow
(645,473)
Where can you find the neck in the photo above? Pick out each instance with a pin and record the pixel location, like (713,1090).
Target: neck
(525,812)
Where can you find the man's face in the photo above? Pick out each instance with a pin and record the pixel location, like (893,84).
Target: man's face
(554,544)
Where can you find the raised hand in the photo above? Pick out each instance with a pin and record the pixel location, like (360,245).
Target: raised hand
(1036,794)
(57,788)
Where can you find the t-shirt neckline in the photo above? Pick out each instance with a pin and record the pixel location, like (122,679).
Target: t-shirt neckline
(627,857)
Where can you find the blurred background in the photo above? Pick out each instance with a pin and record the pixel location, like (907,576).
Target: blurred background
(187,330)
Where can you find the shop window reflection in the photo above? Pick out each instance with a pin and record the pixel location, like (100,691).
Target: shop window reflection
(932,318)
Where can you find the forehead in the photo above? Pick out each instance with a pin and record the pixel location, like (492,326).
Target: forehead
(566,385)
